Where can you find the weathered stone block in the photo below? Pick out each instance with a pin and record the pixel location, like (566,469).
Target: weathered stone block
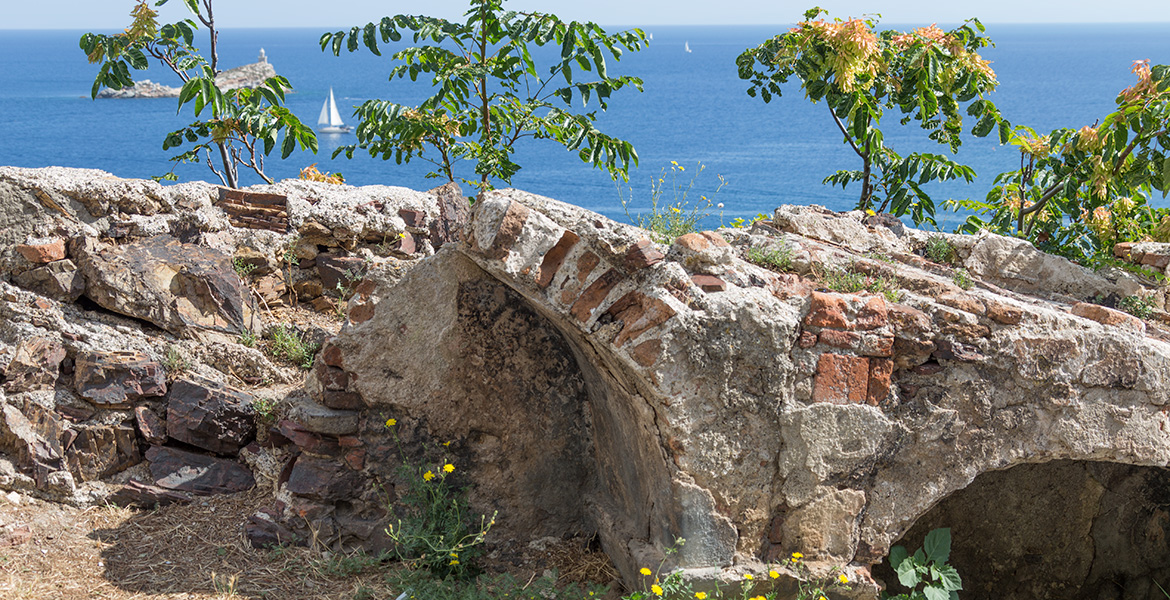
(827,310)
(101,451)
(35,365)
(197,473)
(210,415)
(322,479)
(43,253)
(116,378)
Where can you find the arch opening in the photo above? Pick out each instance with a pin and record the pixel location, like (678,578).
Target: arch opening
(1065,529)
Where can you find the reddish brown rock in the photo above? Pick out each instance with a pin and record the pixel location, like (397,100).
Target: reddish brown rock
(1123,250)
(695,242)
(116,378)
(340,272)
(709,283)
(144,495)
(35,365)
(211,416)
(646,353)
(807,339)
(880,371)
(1157,261)
(322,479)
(839,339)
(827,310)
(309,441)
(872,315)
(360,312)
(197,473)
(593,295)
(964,302)
(638,313)
(1004,313)
(43,253)
(1107,316)
(791,285)
(59,280)
(413,218)
(909,322)
(152,428)
(555,257)
(101,450)
(841,379)
(642,255)
(34,440)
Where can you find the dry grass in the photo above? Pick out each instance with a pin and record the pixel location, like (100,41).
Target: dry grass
(192,552)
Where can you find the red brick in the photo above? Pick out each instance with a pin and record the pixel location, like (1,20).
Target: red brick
(964,302)
(1123,250)
(709,283)
(333,378)
(827,310)
(555,257)
(839,339)
(408,245)
(807,339)
(880,370)
(1004,313)
(873,315)
(841,379)
(43,253)
(509,231)
(642,255)
(593,295)
(331,355)
(638,313)
(646,353)
(585,265)
(1107,316)
(1157,261)
(413,218)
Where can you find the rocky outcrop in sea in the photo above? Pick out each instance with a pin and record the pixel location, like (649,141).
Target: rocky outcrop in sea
(248,76)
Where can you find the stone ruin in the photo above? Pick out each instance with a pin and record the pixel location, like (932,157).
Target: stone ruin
(590,382)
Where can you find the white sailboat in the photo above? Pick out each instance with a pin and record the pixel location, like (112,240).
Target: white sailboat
(687,46)
(330,119)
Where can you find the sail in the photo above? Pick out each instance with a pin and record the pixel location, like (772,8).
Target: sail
(329,115)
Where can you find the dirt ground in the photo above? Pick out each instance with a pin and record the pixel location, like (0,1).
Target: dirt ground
(191,552)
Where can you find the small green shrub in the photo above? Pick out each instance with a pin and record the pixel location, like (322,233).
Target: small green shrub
(242,269)
(265,408)
(248,338)
(1137,306)
(849,281)
(939,249)
(927,568)
(287,344)
(777,258)
(174,361)
(962,278)
(435,532)
(667,221)
(742,223)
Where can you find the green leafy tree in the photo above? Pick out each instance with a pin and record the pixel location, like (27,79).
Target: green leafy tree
(1080,191)
(860,74)
(245,124)
(489,92)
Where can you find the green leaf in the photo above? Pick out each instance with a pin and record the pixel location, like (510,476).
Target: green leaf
(949,577)
(935,593)
(907,574)
(1165,176)
(897,555)
(938,545)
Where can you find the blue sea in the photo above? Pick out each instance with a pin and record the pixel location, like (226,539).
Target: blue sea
(694,110)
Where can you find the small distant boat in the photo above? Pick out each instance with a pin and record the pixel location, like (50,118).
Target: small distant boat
(687,46)
(330,119)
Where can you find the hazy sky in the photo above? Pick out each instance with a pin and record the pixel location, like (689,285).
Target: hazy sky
(102,14)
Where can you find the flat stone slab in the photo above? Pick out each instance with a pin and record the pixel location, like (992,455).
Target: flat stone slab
(197,473)
(116,378)
(211,416)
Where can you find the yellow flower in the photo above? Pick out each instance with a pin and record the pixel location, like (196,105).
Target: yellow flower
(454,555)
(797,555)
(454,562)
(428,476)
(842,578)
(747,576)
(773,574)
(823,598)
(644,571)
(682,169)
(674,162)
(701,595)
(447,443)
(448,467)
(391,422)
(657,589)
(675,209)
